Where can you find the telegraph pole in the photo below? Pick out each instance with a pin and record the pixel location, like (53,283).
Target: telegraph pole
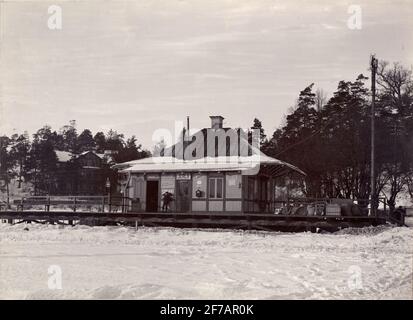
(373,65)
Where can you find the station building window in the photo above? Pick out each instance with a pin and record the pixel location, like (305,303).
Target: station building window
(216,188)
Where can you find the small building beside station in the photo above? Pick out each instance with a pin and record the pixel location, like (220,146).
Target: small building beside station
(81,174)
(216,169)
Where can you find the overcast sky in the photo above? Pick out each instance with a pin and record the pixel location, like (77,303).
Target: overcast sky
(138,66)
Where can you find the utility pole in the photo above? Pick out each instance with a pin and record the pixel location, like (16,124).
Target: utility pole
(373,65)
(185,138)
(187,127)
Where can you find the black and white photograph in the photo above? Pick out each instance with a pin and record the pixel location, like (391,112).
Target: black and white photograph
(206,150)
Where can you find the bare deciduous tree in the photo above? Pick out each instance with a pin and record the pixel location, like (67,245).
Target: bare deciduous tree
(320,99)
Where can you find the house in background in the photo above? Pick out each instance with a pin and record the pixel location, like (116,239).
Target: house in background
(82,174)
(216,169)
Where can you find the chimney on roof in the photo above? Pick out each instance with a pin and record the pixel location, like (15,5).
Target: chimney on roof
(216,122)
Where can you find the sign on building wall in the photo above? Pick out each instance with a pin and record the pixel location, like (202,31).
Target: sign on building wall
(152,177)
(183,176)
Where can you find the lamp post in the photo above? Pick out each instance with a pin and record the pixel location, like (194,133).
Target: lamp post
(122,201)
(108,191)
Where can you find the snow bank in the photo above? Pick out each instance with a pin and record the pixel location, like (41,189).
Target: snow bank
(121,263)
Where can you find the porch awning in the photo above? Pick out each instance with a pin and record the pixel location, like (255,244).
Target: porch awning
(247,165)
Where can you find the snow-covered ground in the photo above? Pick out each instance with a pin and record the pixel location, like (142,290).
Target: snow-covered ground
(118,262)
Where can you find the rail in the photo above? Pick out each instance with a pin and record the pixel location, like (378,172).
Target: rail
(111,204)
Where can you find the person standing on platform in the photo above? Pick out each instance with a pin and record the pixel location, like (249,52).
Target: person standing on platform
(167,198)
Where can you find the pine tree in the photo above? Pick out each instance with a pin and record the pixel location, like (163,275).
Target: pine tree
(257,125)
(41,164)
(114,141)
(345,141)
(297,142)
(85,141)
(69,137)
(20,152)
(6,165)
(100,141)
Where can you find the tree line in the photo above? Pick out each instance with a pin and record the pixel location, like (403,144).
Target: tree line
(330,139)
(35,161)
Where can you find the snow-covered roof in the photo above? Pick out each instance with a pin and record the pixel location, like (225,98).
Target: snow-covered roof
(100,155)
(245,157)
(233,163)
(63,156)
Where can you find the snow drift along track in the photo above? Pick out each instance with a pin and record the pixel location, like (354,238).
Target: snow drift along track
(120,263)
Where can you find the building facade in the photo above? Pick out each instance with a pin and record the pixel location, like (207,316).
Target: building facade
(81,174)
(216,169)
